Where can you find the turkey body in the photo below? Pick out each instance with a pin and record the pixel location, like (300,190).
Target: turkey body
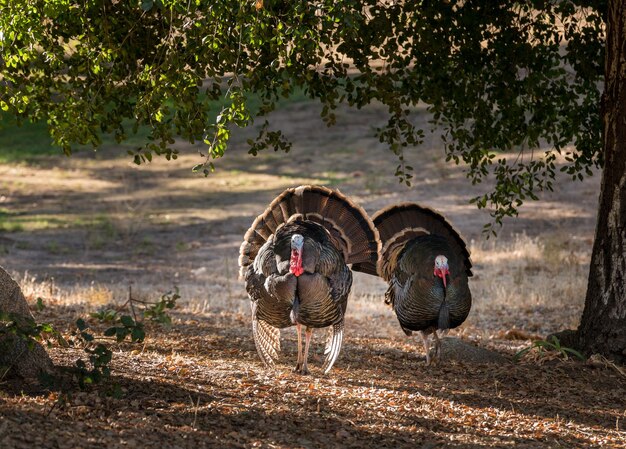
(318,297)
(419,299)
(294,263)
(426,265)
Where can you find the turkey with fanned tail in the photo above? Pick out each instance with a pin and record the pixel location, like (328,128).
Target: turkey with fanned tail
(294,262)
(426,264)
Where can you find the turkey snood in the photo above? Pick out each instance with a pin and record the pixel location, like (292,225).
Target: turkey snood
(295,262)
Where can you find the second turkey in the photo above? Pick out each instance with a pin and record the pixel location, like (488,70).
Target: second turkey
(426,264)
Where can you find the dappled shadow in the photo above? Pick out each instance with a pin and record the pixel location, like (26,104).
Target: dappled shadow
(201,383)
(141,217)
(246,412)
(532,390)
(168,418)
(552,390)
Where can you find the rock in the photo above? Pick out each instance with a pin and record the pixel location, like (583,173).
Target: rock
(15,354)
(461,351)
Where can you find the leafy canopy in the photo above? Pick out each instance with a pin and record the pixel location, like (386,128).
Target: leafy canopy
(495,76)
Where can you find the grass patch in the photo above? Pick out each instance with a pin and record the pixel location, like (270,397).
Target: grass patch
(8,223)
(332,179)
(17,222)
(145,247)
(528,277)
(11,221)
(29,142)
(102,233)
(182,246)
(54,247)
(24,143)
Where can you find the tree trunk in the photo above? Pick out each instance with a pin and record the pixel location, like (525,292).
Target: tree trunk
(603,324)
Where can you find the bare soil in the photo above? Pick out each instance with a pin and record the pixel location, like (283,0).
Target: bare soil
(86,228)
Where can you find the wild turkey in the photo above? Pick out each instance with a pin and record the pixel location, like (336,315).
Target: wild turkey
(427,265)
(294,261)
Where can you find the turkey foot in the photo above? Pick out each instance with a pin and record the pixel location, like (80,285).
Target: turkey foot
(301,369)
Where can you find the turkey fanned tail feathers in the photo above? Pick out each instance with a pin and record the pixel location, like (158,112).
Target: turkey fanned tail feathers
(335,232)
(348,225)
(400,223)
(266,339)
(333,346)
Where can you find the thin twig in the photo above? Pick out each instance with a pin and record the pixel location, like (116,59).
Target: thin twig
(130,300)
(195,413)
(54,406)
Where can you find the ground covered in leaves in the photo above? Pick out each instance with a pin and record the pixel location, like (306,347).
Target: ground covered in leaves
(200,384)
(80,232)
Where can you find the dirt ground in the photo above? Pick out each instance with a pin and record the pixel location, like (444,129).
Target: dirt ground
(79,231)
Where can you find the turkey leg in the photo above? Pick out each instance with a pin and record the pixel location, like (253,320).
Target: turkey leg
(437,354)
(307,340)
(299,362)
(424,336)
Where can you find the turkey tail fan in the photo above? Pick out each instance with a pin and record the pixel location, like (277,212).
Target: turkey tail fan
(266,339)
(333,346)
(278,213)
(400,223)
(348,225)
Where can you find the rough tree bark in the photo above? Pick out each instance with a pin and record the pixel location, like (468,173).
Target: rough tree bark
(603,324)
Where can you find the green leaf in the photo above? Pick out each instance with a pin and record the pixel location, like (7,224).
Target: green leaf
(80,323)
(127,321)
(575,353)
(138,334)
(87,336)
(121,333)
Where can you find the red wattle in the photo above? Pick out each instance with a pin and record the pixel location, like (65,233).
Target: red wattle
(442,273)
(295,263)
